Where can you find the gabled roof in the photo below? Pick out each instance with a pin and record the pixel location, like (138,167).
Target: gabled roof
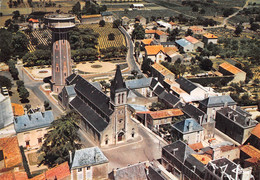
(158,90)
(170,98)
(139,83)
(17,109)
(147,41)
(188,126)
(210,36)
(33,121)
(89,114)
(183,42)
(192,39)
(153,50)
(88,157)
(216,101)
(70,78)
(166,113)
(256,131)
(161,69)
(11,152)
(33,20)
(179,149)
(193,111)
(70,90)
(171,50)
(186,84)
(196,146)
(229,67)
(194,163)
(251,151)
(61,171)
(92,95)
(131,172)
(11,175)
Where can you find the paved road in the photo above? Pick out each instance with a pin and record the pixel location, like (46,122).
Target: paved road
(130,54)
(34,87)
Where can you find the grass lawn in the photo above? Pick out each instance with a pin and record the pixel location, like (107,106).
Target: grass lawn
(103,32)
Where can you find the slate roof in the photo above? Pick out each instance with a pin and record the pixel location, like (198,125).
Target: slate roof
(216,101)
(193,111)
(137,107)
(183,126)
(236,117)
(70,90)
(70,78)
(131,172)
(92,95)
(183,42)
(139,83)
(158,90)
(170,98)
(117,84)
(97,85)
(33,121)
(186,84)
(194,164)
(182,150)
(155,174)
(88,157)
(168,43)
(89,114)
(153,83)
(61,171)
(107,13)
(229,170)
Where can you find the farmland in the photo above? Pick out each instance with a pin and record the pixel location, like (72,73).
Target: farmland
(43,37)
(103,32)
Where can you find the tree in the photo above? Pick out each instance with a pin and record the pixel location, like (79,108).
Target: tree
(254,26)
(206,64)
(76,9)
(126,11)
(102,23)
(116,23)
(195,8)
(138,32)
(134,73)
(61,138)
(23,93)
(20,43)
(238,30)
(189,32)
(19,83)
(146,64)
(202,11)
(5,45)
(111,36)
(47,106)
(5,82)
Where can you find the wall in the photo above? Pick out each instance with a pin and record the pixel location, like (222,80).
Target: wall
(193,137)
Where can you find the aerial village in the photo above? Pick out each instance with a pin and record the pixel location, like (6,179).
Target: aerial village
(98,90)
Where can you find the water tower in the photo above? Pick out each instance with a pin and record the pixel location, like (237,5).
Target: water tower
(60,24)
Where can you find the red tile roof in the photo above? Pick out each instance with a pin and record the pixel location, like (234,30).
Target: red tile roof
(256,131)
(196,146)
(230,68)
(210,36)
(11,151)
(163,70)
(34,20)
(17,109)
(147,41)
(152,31)
(59,172)
(153,50)
(14,176)
(91,16)
(251,151)
(191,39)
(165,113)
(227,148)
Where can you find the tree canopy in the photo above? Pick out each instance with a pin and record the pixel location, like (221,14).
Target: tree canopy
(61,138)
(138,32)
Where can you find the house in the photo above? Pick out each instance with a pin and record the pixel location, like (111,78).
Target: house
(172,54)
(61,171)
(34,23)
(184,45)
(136,6)
(107,16)
(105,120)
(234,124)
(153,119)
(91,19)
(15,175)
(162,73)
(31,128)
(141,20)
(137,171)
(89,163)
(10,154)
(157,34)
(170,100)
(125,20)
(6,111)
(188,130)
(228,69)
(197,29)
(165,25)
(17,109)
(196,43)
(254,138)
(149,42)
(213,103)
(66,95)
(209,38)
(155,53)
(169,44)
(178,159)
(225,169)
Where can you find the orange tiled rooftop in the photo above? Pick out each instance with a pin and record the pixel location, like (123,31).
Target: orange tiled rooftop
(256,131)
(251,151)
(17,109)
(91,16)
(196,146)
(230,68)
(147,41)
(202,158)
(191,39)
(153,50)
(14,175)
(165,113)
(210,36)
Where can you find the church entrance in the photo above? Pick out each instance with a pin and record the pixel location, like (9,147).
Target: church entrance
(120,136)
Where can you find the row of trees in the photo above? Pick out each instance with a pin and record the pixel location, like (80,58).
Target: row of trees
(23,92)
(37,58)
(13,70)
(113,52)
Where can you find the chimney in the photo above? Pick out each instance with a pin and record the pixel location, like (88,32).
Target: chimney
(70,153)
(200,119)
(174,150)
(114,172)
(225,104)
(235,117)
(190,126)
(229,114)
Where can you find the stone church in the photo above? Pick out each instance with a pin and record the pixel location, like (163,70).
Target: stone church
(106,120)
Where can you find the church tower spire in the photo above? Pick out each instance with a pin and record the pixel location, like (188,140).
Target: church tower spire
(118,90)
